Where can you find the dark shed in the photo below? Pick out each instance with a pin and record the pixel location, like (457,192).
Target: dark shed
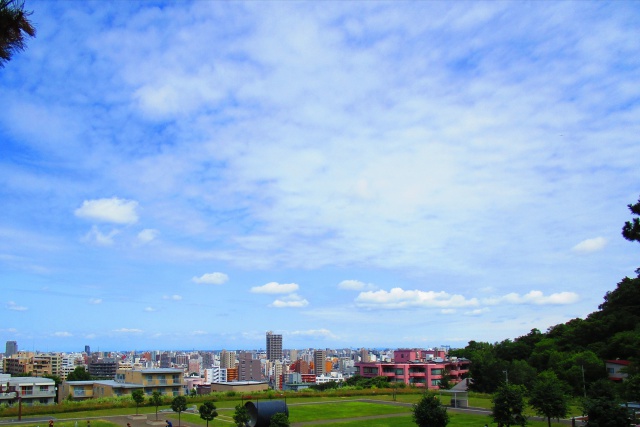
(261,412)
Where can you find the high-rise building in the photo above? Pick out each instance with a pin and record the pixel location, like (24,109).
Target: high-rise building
(11,348)
(319,357)
(228,359)
(274,346)
(87,350)
(249,369)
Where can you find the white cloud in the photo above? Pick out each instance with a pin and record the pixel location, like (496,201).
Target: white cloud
(147,235)
(590,245)
(128,331)
(400,298)
(198,333)
(477,311)
(172,297)
(149,309)
(275,288)
(356,285)
(290,301)
(95,301)
(95,236)
(534,297)
(312,333)
(62,334)
(11,305)
(114,210)
(211,278)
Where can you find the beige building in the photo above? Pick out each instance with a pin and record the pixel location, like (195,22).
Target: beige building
(241,386)
(167,381)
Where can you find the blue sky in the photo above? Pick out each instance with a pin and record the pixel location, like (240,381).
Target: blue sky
(347,174)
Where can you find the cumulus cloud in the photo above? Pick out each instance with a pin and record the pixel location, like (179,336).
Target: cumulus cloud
(534,297)
(172,297)
(95,301)
(95,236)
(147,235)
(290,301)
(400,298)
(11,305)
(275,288)
(590,245)
(356,285)
(113,210)
(211,278)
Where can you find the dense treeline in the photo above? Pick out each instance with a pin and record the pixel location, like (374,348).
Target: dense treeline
(575,351)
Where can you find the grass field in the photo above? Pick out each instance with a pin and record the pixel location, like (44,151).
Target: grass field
(354,414)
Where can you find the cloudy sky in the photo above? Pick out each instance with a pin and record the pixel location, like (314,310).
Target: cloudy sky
(190,175)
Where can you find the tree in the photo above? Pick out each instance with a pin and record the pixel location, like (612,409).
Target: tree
(156,400)
(279,419)
(179,404)
(208,411)
(429,412)
(79,373)
(241,416)
(602,405)
(14,24)
(548,396)
(508,405)
(631,229)
(138,398)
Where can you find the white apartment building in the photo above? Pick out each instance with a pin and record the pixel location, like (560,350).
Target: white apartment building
(215,375)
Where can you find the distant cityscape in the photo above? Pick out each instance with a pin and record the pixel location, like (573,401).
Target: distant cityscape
(31,376)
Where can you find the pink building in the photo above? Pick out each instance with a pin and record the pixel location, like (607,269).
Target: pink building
(420,368)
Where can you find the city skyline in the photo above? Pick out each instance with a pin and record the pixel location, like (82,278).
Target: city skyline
(362,174)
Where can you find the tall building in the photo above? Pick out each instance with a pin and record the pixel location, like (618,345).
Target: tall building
(249,369)
(228,359)
(274,346)
(11,348)
(319,357)
(87,350)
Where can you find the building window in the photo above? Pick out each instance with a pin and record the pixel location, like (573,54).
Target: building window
(44,388)
(437,371)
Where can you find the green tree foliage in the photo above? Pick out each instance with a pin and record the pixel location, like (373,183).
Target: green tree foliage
(508,405)
(156,400)
(241,416)
(429,412)
(329,385)
(279,419)
(14,25)
(138,398)
(375,382)
(631,229)
(208,411)
(179,405)
(548,396)
(603,405)
(79,374)
(631,388)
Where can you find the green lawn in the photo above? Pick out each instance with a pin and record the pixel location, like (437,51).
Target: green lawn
(300,410)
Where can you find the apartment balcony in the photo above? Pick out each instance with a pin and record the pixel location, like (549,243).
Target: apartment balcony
(82,393)
(8,396)
(37,393)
